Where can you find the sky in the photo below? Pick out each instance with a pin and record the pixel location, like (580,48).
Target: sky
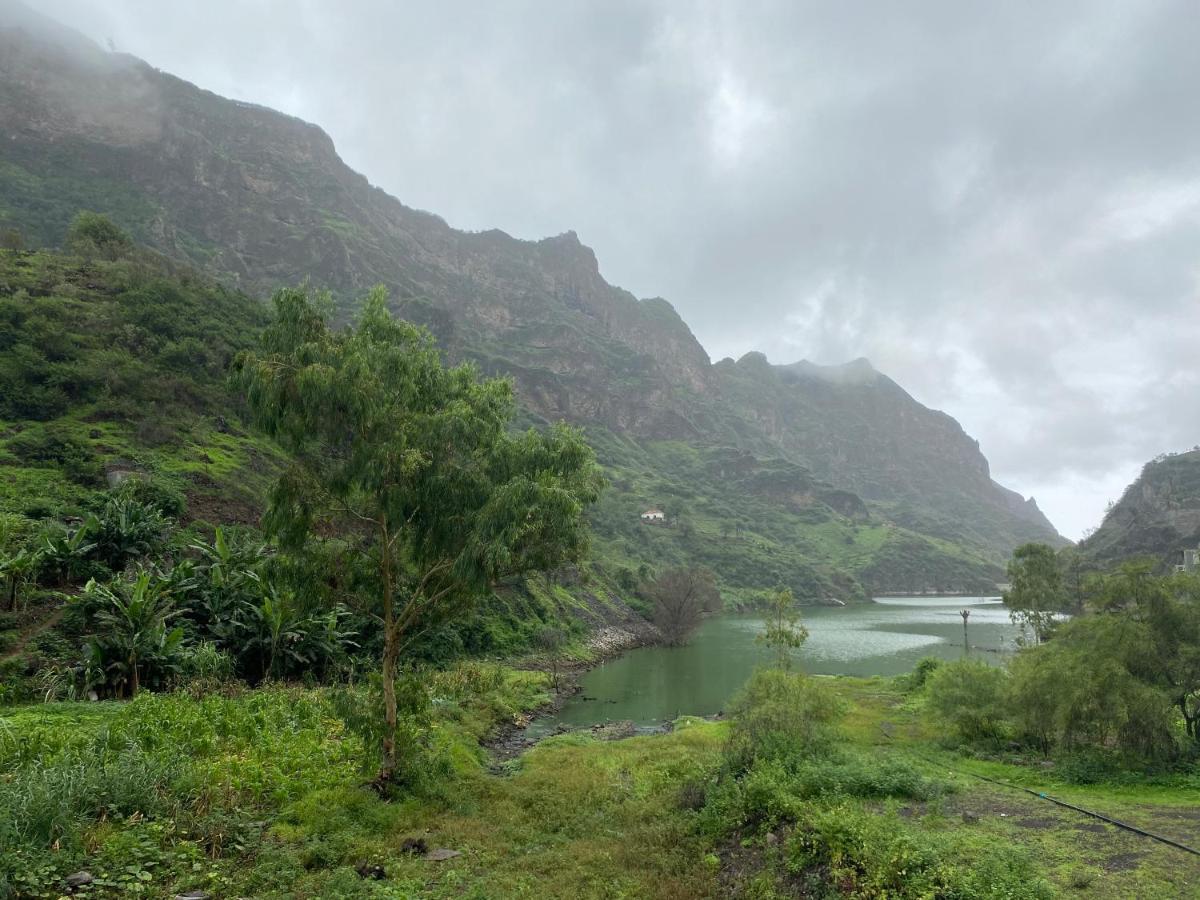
(997,204)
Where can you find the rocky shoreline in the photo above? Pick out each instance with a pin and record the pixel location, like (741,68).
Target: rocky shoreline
(605,643)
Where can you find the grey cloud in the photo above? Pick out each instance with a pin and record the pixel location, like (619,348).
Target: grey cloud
(999,205)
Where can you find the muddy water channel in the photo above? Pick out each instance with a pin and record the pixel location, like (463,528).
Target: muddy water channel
(654,685)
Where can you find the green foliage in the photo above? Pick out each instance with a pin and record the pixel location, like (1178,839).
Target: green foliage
(415,461)
(133,646)
(121,361)
(66,554)
(93,234)
(779,716)
(919,677)
(1120,679)
(126,530)
(782,630)
(870,855)
(786,765)
(967,699)
(152,792)
(1036,594)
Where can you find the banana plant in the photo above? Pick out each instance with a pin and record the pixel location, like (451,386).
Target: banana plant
(20,568)
(134,644)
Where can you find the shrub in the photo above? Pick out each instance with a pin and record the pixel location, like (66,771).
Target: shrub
(919,676)
(781,716)
(1071,697)
(92,234)
(869,855)
(157,494)
(50,445)
(967,697)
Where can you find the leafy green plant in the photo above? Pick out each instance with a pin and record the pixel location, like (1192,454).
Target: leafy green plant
(967,698)
(133,646)
(65,554)
(126,530)
(782,717)
(413,460)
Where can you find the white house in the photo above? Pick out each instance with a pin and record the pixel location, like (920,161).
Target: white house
(654,515)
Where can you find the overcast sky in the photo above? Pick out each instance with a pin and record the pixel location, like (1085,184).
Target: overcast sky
(998,205)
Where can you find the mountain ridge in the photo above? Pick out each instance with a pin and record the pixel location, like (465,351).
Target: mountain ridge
(259,199)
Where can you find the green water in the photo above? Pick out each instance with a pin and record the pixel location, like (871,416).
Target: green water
(653,685)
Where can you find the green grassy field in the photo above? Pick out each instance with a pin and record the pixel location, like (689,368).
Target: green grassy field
(259,793)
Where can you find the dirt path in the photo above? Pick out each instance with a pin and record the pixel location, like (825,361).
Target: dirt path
(49,617)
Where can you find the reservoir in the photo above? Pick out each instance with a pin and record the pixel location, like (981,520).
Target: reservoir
(655,685)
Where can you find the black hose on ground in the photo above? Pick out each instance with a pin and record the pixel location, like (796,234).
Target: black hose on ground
(1063,803)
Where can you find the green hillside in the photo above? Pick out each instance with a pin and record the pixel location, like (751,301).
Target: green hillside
(117,365)
(257,199)
(1158,515)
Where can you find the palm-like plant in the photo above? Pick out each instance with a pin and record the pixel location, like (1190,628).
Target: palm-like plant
(65,554)
(127,530)
(134,645)
(19,568)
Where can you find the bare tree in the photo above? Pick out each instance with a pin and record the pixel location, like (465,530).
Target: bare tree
(551,641)
(681,597)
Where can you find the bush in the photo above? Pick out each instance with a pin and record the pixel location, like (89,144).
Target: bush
(92,234)
(871,855)
(157,494)
(1070,697)
(50,445)
(783,717)
(967,698)
(919,676)
(126,530)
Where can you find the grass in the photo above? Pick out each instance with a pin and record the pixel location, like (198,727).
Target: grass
(1078,855)
(260,793)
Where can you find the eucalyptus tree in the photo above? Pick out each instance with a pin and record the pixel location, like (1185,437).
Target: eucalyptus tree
(411,463)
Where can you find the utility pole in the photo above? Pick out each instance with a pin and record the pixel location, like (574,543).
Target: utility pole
(966,614)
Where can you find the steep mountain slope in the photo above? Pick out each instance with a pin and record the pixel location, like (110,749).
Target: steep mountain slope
(261,199)
(857,428)
(113,366)
(1158,516)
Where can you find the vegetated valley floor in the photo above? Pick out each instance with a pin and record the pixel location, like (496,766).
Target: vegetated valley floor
(582,818)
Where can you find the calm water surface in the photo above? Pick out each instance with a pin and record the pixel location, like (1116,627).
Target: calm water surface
(652,685)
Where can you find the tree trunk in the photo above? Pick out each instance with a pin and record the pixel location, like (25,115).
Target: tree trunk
(391,652)
(12,593)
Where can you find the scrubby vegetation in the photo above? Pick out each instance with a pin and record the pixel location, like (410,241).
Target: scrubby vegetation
(297,709)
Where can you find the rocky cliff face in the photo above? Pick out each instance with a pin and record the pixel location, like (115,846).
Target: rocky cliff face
(1158,516)
(261,199)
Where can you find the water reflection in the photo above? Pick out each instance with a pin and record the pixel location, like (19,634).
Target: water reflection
(656,684)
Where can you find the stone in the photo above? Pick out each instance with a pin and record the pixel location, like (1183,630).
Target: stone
(441,853)
(771,839)
(194,895)
(79,879)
